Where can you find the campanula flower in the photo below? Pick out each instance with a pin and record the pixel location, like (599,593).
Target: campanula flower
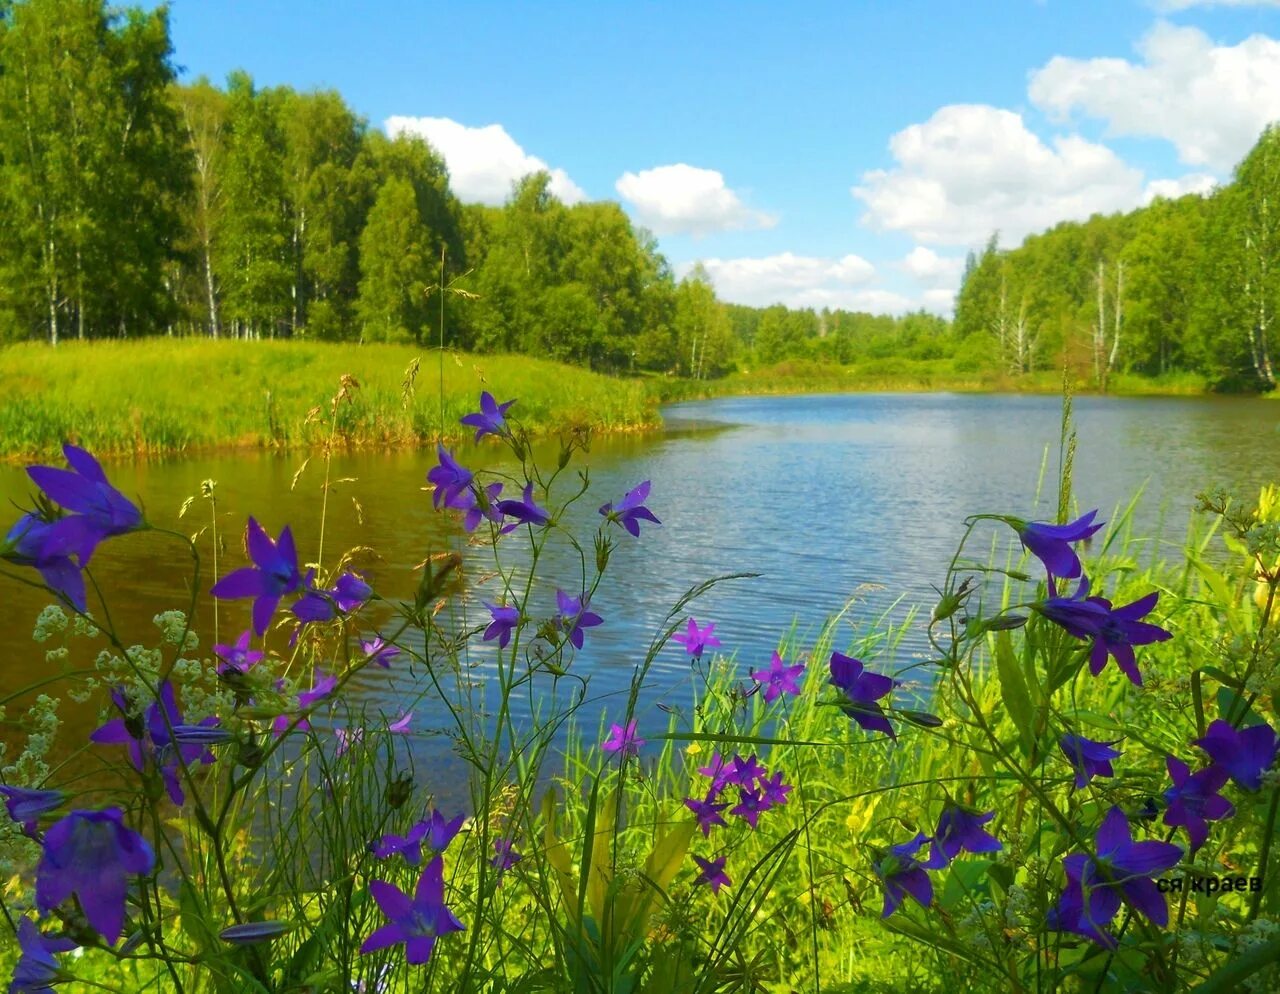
(1245,754)
(1121,871)
(696,640)
(750,804)
(862,689)
(238,656)
(273,574)
(712,873)
(630,511)
(774,791)
(379,652)
(504,855)
(321,689)
(450,478)
(623,740)
(1194,800)
(747,772)
(432,833)
(778,679)
(961,828)
(477,509)
(1088,758)
(525,510)
(100,510)
(416,921)
(1113,631)
(317,605)
(707,812)
(574,616)
(32,542)
(505,620)
(26,805)
(491,418)
(719,770)
(37,970)
(92,854)
(903,875)
(1051,544)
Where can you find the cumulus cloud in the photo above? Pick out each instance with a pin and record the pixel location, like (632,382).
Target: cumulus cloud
(928,268)
(1210,101)
(939,301)
(794,280)
(972,169)
(483,162)
(683,199)
(1172,189)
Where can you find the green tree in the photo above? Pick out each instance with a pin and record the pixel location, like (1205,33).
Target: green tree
(396,263)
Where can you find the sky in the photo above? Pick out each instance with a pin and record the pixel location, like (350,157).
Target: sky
(841,154)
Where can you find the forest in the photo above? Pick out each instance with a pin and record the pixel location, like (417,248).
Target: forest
(132,204)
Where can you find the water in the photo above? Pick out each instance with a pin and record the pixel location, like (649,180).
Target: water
(831,498)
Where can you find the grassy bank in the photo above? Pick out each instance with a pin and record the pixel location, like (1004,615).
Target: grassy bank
(166,395)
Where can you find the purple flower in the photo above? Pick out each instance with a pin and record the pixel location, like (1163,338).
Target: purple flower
(1194,800)
(862,689)
(237,657)
(100,509)
(525,511)
(574,616)
(1122,870)
(903,875)
(251,933)
(1088,758)
(273,574)
(1245,754)
(92,854)
(696,639)
(631,510)
(417,922)
(348,593)
(477,509)
(321,689)
(450,478)
(719,770)
(504,855)
(778,679)
(712,873)
(747,772)
(433,832)
(505,620)
(1051,544)
(774,790)
(961,828)
(1113,631)
(32,542)
(750,804)
(623,740)
(707,812)
(26,805)
(37,970)
(379,652)
(491,419)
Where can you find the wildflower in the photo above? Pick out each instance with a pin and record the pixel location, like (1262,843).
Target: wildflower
(273,574)
(477,509)
(1194,800)
(491,418)
(237,657)
(696,639)
(401,724)
(774,790)
(1113,631)
(862,689)
(416,922)
(525,511)
(746,772)
(321,689)
(100,510)
(961,828)
(574,616)
(26,805)
(903,875)
(92,854)
(348,593)
(623,740)
(36,969)
(379,652)
(712,873)
(31,542)
(1245,754)
(504,855)
(750,804)
(778,679)
(1122,870)
(719,770)
(707,812)
(433,832)
(1089,758)
(250,933)
(1051,544)
(450,478)
(631,510)
(505,620)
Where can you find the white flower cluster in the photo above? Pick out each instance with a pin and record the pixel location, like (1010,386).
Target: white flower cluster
(1259,932)
(42,723)
(173,625)
(51,621)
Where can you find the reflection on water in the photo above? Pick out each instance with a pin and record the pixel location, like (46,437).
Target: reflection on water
(829,497)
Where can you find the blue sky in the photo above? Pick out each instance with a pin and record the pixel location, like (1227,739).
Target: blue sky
(819,154)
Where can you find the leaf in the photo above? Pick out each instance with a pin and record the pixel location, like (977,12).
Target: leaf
(1214,580)
(1013,690)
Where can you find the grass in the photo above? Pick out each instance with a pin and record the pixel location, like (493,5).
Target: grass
(166,395)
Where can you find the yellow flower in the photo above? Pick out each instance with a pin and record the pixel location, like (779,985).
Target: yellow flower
(693,750)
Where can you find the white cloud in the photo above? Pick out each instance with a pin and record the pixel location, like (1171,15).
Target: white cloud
(939,301)
(930,269)
(685,199)
(1210,101)
(794,280)
(1172,189)
(1168,6)
(483,162)
(972,169)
